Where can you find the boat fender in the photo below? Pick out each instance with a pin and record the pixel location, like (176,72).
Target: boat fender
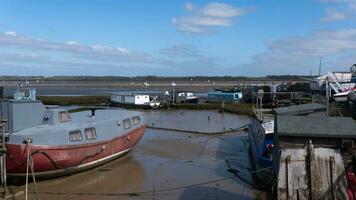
(27,141)
(128,138)
(102,148)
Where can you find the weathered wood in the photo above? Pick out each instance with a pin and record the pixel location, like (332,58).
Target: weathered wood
(326,179)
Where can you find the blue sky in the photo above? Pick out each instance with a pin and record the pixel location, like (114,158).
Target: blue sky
(176,38)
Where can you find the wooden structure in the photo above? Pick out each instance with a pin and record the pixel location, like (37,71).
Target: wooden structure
(310,156)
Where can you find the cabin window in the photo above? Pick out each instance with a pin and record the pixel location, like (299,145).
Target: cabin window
(64,116)
(127,123)
(136,120)
(90,133)
(75,135)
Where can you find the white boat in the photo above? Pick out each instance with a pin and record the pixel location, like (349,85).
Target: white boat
(134,100)
(341,97)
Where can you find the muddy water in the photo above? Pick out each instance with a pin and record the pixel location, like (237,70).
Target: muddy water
(167,164)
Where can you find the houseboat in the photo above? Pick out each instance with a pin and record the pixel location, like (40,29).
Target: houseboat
(227,96)
(61,143)
(134,100)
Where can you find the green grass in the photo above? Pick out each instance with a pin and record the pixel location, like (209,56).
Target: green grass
(237,108)
(75,100)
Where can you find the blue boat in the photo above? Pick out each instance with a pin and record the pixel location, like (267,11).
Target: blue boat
(261,133)
(225,96)
(261,145)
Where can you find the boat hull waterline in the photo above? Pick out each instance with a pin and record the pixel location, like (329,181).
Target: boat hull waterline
(53,161)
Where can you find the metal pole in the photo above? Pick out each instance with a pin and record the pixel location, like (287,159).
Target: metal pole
(320,65)
(327,96)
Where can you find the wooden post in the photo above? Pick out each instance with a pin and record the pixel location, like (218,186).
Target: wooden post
(287,161)
(331,167)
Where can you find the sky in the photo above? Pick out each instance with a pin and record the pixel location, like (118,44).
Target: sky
(176,38)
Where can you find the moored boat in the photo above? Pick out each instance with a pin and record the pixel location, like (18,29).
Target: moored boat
(128,100)
(341,97)
(186,97)
(261,134)
(60,143)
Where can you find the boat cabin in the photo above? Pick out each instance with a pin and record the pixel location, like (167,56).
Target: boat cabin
(224,96)
(135,99)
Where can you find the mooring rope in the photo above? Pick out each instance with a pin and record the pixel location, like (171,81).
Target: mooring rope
(27,159)
(29,163)
(199,132)
(140,193)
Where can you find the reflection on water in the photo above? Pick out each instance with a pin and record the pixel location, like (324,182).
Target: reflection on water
(166,164)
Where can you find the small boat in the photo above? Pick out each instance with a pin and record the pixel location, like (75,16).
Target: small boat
(186,97)
(61,143)
(229,96)
(341,97)
(134,100)
(261,134)
(261,144)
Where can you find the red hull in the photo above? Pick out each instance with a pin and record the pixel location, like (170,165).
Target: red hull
(66,159)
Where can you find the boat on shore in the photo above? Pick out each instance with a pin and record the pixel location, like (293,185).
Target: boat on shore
(130,100)
(61,143)
(227,96)
(341,97)
(261,135)
(186,97)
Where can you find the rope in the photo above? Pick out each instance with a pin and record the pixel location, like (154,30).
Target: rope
(200,132)
(29,163)
(235,172)
(148,192)
(33,177)
(28,157)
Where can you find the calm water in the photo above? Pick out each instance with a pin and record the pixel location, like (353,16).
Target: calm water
(167,164)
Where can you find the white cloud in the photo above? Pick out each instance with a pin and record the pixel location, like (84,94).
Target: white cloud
(346,10)
(222,10)
(208,16)
(332,15)
(10,33)
(294,53)
(36,53)
(11,39)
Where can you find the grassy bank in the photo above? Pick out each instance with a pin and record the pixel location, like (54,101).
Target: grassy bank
(244,109)
(75,100)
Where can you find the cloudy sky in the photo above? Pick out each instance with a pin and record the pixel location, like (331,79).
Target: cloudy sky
(176,38)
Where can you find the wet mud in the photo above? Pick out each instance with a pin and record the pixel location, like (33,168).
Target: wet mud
(168,164)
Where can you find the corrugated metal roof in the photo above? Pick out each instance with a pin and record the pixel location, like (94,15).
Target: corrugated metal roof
(299,109)
(313,126)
